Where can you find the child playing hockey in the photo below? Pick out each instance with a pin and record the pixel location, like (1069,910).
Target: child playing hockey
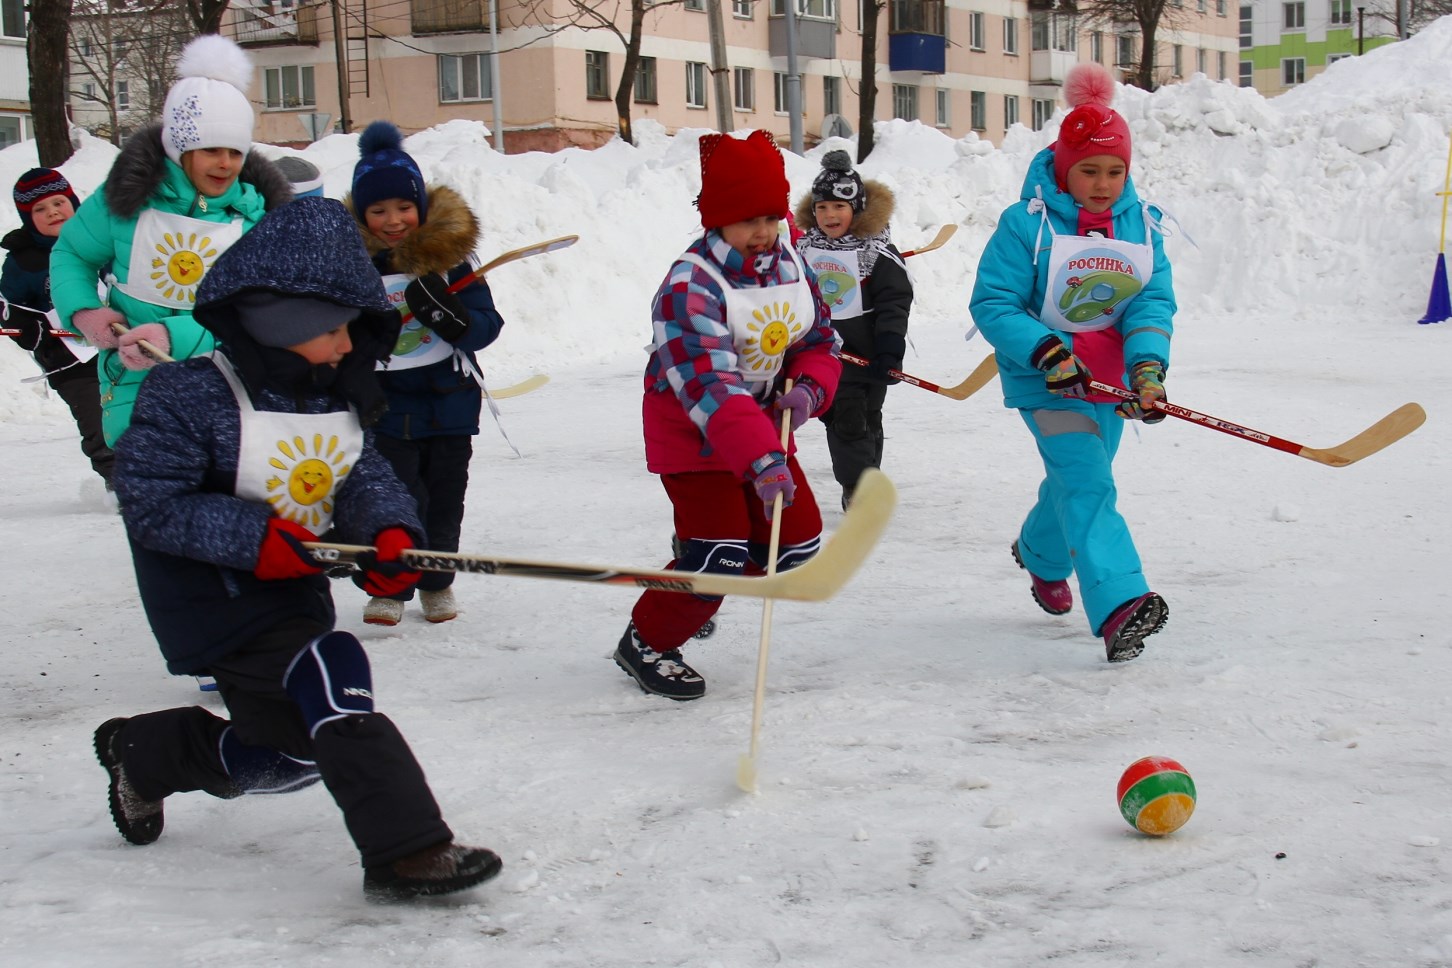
(46,202)
(179,193)
(861,275)
(422,242)
(736,315)
(1074,285)
(230,463)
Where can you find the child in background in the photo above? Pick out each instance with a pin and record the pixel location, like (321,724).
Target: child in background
(1074,285)
(302,174)
(301,319)
(422,242)
(861,275)
(179,193)
(46,202)
(737,315)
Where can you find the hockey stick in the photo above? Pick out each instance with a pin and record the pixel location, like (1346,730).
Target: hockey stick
(528,385)
(816,581)
(57,333)
(513,255)
(981,376)
(944,234)
(746,766)
(1380,435)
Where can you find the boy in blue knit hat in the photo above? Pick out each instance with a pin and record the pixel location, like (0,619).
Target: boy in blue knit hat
(231,462)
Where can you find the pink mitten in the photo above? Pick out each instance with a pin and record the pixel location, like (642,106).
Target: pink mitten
(133,357)
(96,325)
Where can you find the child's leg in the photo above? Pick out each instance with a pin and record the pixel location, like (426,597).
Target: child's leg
(854,439)
(406,457)
(801,526)
(444,472)
(80,388)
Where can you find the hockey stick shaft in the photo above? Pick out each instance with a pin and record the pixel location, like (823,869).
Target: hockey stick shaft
(57,333)
(944,234)
(1380,435)
(981,376)
(513,255)
(816,581)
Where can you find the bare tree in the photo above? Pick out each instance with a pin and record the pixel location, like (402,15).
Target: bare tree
(867,95)
(1149,16)
(206,15)
(125,60)
(45,47)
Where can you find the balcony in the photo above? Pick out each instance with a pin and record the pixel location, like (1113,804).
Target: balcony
(271,25)
(816,36)
(915,37)
(1051,66)
(448,16)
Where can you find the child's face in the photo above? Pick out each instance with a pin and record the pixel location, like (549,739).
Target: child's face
(329,348)
(391,220)
(753,236)
(834,218)
(212,170)
(1097,182)
(49,214)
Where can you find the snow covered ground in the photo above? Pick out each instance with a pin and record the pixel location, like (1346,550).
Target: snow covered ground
(939,757)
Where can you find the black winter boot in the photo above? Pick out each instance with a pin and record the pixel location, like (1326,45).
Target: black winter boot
(440,869)
(662,673)
(140,821)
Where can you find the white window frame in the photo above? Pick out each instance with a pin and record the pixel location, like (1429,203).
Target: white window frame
(646,90)
(743,89)
(743,9)
(597,75)
(484,78)
(977,33)
(1293,71)
(123,96)
(13,20)
(831,94)
(942,107)
(978,110)
(1010,111)
(1293,15)
(695,85)
(1341,13)
(302,81)
(1043,111)
(1010,35)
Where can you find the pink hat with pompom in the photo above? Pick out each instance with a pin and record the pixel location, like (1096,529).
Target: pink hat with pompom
(1092,126)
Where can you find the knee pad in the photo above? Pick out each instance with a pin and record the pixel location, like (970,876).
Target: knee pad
(787,556)
(330,679)
(260,769)
(848,418)
(718,556)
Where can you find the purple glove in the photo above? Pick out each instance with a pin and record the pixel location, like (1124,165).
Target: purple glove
(128,346)
(96,325)
(773,479)
(802,400)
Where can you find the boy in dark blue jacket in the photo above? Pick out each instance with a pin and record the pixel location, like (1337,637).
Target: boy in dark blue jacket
(230,463)
(422,242)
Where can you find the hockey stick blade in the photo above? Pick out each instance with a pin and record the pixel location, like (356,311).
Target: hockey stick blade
(981,376)
(944,234)
(1379,436)
(816,581)
(521,388)
(513,255)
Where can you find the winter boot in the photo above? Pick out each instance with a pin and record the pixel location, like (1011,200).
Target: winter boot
(439,606)
(1053,597)
(383,611)
(140,821)
(663,673)
(441,869)
(1130,624)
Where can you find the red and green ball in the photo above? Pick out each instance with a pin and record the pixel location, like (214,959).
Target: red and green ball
(1156,795)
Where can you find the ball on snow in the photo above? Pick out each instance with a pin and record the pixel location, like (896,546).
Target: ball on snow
(1156,795)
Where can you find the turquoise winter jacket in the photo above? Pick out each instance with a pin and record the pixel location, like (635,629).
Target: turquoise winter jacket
(1009,288)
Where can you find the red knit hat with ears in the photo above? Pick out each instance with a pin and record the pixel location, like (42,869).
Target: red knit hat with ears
(1092,126)
(741,178)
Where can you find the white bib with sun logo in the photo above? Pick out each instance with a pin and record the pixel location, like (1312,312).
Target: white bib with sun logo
(838,280)
(764,321)
(417,344)
(296,462)
(1092,279)
(171,253)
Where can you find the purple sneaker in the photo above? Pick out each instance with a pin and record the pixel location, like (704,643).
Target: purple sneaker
(1130,624)
(1053,597)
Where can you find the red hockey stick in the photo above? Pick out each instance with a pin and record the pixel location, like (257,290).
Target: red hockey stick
(944,234)
(981,376)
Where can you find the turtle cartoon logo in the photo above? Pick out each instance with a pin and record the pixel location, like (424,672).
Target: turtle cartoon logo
(180,263)
(1096,286)
(310,473)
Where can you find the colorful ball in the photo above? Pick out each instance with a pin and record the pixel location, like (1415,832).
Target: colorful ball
(1156,795)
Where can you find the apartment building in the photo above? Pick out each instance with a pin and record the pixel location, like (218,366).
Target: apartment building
(1285,44)
(959,65)
(15,124)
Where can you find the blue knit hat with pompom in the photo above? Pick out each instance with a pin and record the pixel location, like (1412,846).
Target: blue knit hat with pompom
(385,171)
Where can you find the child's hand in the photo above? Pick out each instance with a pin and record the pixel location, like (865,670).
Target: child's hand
(1065,375)
(281,554)
(98,326)
(802,400)
(32,327)
(1148,380)
(384,574)
(887,350)
(773,479)
(133,356)
(432,304)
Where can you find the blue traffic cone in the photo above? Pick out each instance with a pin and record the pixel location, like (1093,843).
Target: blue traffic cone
(1439,304)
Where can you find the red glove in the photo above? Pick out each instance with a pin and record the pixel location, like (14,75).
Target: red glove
(282,555)
(384,575)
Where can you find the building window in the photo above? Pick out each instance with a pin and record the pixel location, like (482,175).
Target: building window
(1333,58)
(810,9)
(1043,111)
(1096,47)
(978,110)
(905,102)
(12,18)
(1293,16)
(597,75)
(462,77)
(1010,35)
(1124,56)
(1341,12)
(743,82)
(1199,6)
(1010,110)
(1053,32)
(1220,8)
(942,95)
(123,95)
(1200,59)
(1246,19)
(741,9)
(831,95)
(645,81)
(1177,60)
(1293,71)
(976,40)
(1247,74)
(289,87)
(1220,65)
(88,91)
(695,84)
(10,132)
(697,5)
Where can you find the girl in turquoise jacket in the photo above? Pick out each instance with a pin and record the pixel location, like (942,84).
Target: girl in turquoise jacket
(1074,286)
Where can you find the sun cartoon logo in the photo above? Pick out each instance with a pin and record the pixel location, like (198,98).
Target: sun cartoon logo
(770,332)
(180,263)
(309,477)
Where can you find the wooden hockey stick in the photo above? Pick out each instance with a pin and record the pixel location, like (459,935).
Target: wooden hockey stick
(944,234)
(816,581)
(528,385)
(513,255)
(1380,435)
(981,376)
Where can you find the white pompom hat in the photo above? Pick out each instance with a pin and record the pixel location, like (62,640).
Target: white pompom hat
(208,107)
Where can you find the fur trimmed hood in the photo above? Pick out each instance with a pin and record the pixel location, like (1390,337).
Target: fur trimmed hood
(869,222)
(140,169)
(447,237)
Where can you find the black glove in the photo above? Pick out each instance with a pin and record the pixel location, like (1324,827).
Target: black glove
(432,304)
(1064,373)
(887,351)
(32,327)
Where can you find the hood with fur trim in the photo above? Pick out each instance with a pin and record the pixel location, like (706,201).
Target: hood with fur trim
(869,222)
(140,169)
(447,238)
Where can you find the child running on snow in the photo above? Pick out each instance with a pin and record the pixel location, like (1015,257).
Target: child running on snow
(862,277)
(422,242)
(179,193)
(46,202)
(1074,285)
(737,315)
(230,463)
